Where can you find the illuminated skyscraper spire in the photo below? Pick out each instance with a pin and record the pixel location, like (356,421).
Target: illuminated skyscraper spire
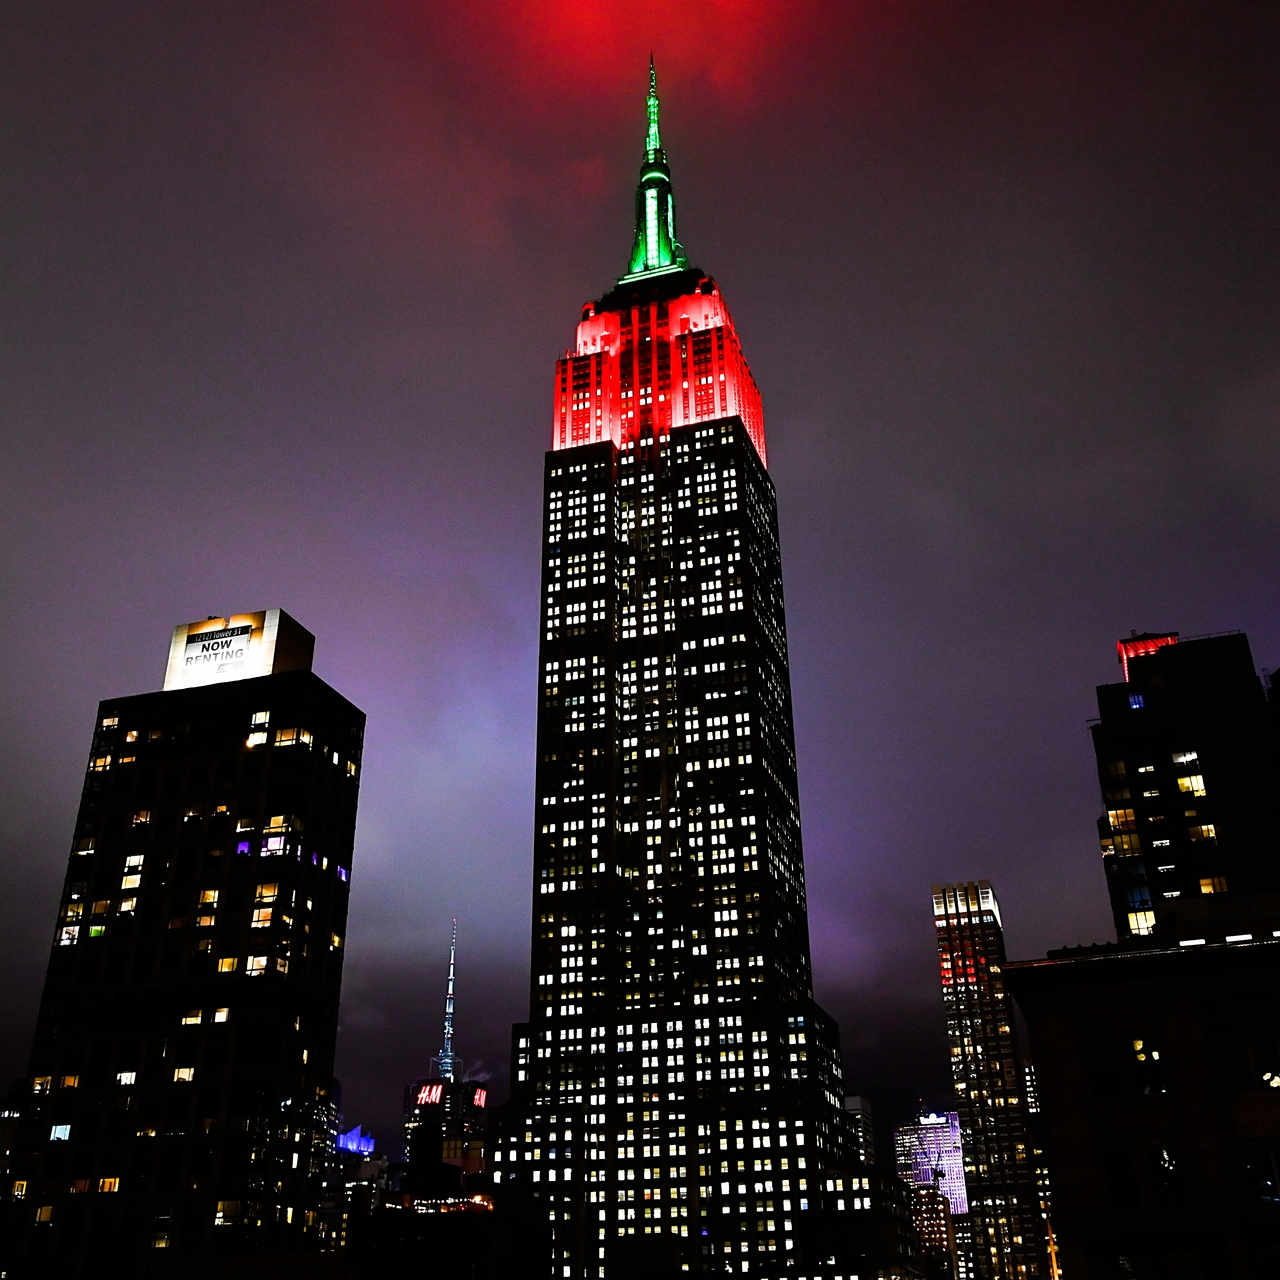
(445,1057)
(655,247)
(653,144)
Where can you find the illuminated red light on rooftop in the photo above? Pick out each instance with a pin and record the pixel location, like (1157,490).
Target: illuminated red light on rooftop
(1140,646)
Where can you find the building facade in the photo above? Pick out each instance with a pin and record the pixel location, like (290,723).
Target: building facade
(930,1152)
(676,1090)
(861,1139)
(180,1077)
(1161,1117)
(1189,766)
(1158,1061)
(1008,1230)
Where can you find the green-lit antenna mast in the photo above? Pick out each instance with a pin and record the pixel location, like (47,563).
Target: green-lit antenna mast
(655,247)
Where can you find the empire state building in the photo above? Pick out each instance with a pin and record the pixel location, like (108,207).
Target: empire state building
(676,1090)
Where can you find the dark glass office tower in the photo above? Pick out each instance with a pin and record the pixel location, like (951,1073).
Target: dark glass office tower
(1189,765)
(179,1084)
(1000,1166)
(675,1090)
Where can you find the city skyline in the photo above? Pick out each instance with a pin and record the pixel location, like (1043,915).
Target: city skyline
(942,609)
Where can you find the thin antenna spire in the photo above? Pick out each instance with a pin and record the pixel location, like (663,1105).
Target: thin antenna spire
(653,142)
(655,247)
(446,1054)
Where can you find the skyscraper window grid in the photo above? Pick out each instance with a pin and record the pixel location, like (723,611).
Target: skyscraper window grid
(1000,1169)
(675,1087)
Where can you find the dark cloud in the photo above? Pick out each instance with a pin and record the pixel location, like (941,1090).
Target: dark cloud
(281,291)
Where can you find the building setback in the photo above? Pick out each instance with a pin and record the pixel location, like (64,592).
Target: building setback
(676,1090)
(999,1164)
(179,1086)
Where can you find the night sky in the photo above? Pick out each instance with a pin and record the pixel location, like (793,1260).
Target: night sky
(281,289)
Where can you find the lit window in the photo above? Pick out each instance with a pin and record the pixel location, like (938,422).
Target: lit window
(44,1213)
(191,1018)
(266,893)
(131,882)
(111,722)
(19,1190)
(128,906)
(1142,923)
(127,1077)
(70,1082)
(261,918)
(209,897)
(1213,884)
(260,717)
(255,740)
(221,1015)
(335,941)
(108,1185)
(184,1075)
(1193,784)
(227,964)
(1206,832)
(255,966)
(142,817)
(60,1133)
(41,1084)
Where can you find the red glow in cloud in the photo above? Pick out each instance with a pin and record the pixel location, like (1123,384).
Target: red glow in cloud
(549,50)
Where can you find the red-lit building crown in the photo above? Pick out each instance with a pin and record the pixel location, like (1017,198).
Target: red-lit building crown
(658,351)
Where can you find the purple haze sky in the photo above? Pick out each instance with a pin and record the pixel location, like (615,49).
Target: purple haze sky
(282,290)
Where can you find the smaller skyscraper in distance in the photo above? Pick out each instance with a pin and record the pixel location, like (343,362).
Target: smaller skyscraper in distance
(444,1116)
(1189,766)
(862,1138)
(1000,1182)
(929,1151)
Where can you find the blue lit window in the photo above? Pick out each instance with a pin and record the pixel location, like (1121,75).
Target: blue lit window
(1136,700)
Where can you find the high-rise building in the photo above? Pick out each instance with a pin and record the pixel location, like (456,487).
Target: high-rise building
(929,1151)
(930,1157)
(444,1115)
(861,1139)
(999,1171)
(1189,763)
(931,1214)
(1157,1061)
(676,1090)
(183,1056)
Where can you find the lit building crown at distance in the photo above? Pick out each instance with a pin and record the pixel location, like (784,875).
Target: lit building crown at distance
(660,349)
